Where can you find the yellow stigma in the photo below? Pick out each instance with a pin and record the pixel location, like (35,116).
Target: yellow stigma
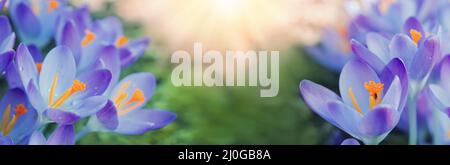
(77,86)
(88,38)
(52,5)
(355,104)
(374,90)
(39,67)
(123,107)
(415,35)
(121,41)
(384,5)
(8,122)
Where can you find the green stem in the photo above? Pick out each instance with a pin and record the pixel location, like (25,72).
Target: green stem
(412,115)
(83,132)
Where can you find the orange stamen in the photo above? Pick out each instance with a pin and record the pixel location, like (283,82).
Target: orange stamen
(88,38)
(7,124)
(52,5)
(415,35)
(77,86)
(374,90)
(39,67)
(121,41)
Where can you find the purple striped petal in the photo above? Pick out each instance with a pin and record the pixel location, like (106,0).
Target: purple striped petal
(425,58)
(317,97)
(403,47)
(26,20)
(363,54)
(63,135)
(62,117)
(6,59)
(108,116)
(396,68)
(378,45)
(140,121)
(379,121)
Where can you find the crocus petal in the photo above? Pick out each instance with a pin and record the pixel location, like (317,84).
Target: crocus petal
(126,57)
(378,45)
(96,83)
(5,60)
(425,58)
(141,121)
(137,48)
(69,37)
(396,68)
(353,76)
(144,81)
(439,96)
(35,97)
(37,138)
(62,117)
(13,76)
(317,97)
(108,116)
(6,140)
(379,121)
(59,62)
(350,141)
(403,47)
(345,117)
(6,27)
(109,28)
(26,65)
(363,54)
(413,23)
(8,43)
(393,94)
(89,106)
(109,59)
(63,135)
(26,20)
(444,71)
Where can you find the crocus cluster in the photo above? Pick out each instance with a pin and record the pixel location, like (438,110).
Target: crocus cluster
(394,68)
(64,69)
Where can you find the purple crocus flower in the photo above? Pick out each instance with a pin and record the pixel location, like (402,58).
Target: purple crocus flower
(386,17)
(56,90)
(17,117)
(369,106)
(36,21)
(63,135)
(86,38)
(124,112)
(419,52)
(350,141)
